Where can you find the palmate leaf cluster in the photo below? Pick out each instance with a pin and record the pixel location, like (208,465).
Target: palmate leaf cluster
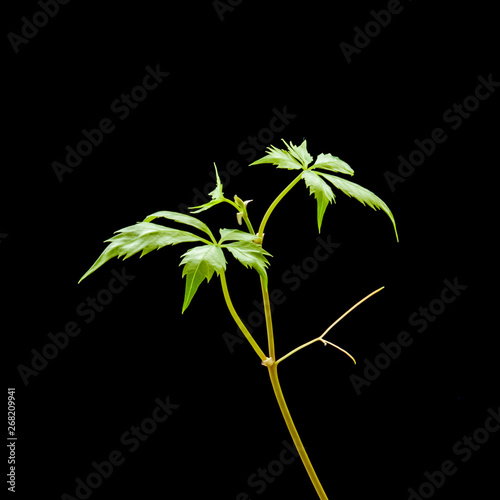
(297,158)
(207,256)
(200,262)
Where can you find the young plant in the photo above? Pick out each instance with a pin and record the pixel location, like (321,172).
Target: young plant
(208,253)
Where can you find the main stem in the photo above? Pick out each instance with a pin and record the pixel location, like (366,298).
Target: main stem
(270,361)
(273,367)
(273,374)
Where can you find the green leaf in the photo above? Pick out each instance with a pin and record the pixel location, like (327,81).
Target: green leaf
(333,163)
(142,237)
(300,152)
(235,234)
(217,196)
(362,194)
(321,190)
(297,157)
(200,263)
(250,255)
(183,219)
(280,158)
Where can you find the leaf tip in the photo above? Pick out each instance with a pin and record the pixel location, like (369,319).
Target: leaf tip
(84,276)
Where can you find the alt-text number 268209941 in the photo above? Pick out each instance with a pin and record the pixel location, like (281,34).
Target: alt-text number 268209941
(11,439)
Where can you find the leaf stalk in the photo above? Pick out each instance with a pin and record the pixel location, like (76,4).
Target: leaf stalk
(275,203)
(238,320)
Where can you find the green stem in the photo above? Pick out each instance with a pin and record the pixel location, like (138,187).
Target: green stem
(269,321)
(247,222)
(245,214)
(236,318)
(274,203)
(273,374)
(270,361)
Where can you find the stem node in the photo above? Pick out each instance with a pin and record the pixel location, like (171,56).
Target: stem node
(268,362)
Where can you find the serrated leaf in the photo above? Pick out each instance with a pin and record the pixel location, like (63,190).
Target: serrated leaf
(333,163)
(280,158)
(250,255)
(183,219)
(362,194)
(217,196)
(235,234)
(300,152)
(321,191)
(200,263)
(142,237)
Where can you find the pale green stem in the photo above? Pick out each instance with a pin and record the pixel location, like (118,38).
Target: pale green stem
(245,214)
(273,374)
(274,203)
(269,321)
(238,320)
(247,222)
(269,361)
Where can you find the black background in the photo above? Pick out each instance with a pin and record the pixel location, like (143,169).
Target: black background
(225,79)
